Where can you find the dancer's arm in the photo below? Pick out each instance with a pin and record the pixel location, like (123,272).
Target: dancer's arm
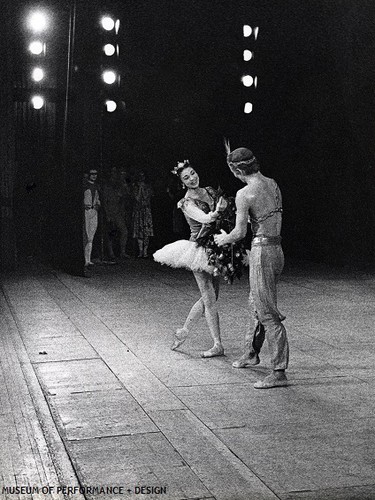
(191,210)
(240,229)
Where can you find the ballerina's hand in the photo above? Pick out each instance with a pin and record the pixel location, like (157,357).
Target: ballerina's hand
(221,204)
(220,238)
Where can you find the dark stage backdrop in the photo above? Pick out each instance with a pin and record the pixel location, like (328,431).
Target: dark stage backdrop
(312,125)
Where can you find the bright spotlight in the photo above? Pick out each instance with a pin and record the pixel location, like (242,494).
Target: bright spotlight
(36,47)
(117,26)
(247,30)
(248,108)
(255,82)
(247,80)
(109,49)
(111,106)
(256,31)
(108,23)
(37,101)
(247,55)
(37,74)
(38,21)
(109,77)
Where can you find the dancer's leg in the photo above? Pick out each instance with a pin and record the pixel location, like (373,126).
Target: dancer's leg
(121,224)
(255,333)
(109,239)
(206,287)
(195,314)
(91,221)
(145,246)
(216,285)
(140,247)
(264,280)
(88,249)
(265,298)
(110,251)
(198,310)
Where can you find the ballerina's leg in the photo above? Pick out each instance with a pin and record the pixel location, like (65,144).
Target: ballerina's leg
(209,296)
(195,314)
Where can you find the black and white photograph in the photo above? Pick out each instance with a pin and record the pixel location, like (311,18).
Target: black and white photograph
(187,250)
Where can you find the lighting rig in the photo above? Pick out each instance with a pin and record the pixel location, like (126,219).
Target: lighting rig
(110,56)
(249,80)
(38,25)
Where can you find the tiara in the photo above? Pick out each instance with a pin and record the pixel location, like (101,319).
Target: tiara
(180,165)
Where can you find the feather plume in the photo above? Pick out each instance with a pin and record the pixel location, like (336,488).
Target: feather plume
(227,146)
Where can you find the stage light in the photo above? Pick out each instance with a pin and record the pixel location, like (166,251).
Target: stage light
(110,71)
(111,106)
(256,31)
(247,30)
(247,80)
(36,47)
(248,108)
(255,82)
(108,23)
(109,49)
(109,77)
(247,55)
(37,101)
(37,22)
(37,74)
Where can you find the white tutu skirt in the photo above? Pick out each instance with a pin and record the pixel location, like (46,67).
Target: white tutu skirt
(184,253)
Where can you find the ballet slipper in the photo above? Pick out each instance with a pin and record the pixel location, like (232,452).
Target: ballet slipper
(246,360)
(179,338)
(216,350)
(272,380)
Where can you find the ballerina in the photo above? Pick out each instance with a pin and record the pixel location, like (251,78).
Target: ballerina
(201,207)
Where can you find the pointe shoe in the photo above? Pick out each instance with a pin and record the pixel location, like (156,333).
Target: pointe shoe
(179,338)
(272,380)
(245,361)
(216,350)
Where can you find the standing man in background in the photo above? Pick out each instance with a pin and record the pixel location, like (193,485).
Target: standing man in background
(91,204)
(114,194)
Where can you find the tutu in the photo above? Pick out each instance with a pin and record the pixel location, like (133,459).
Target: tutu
(184,253)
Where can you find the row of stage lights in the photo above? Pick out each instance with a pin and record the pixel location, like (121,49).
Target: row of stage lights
(111,50)
(248,55)
(38,24)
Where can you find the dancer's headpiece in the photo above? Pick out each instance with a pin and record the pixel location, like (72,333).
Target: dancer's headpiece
(238,157)
(180,166)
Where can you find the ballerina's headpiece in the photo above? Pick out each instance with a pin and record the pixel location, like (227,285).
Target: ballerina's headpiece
(180,165)
(239,156)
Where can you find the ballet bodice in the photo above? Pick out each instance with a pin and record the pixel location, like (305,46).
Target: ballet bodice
(197,212)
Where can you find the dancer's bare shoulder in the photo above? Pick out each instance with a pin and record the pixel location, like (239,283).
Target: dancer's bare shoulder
(245,197)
